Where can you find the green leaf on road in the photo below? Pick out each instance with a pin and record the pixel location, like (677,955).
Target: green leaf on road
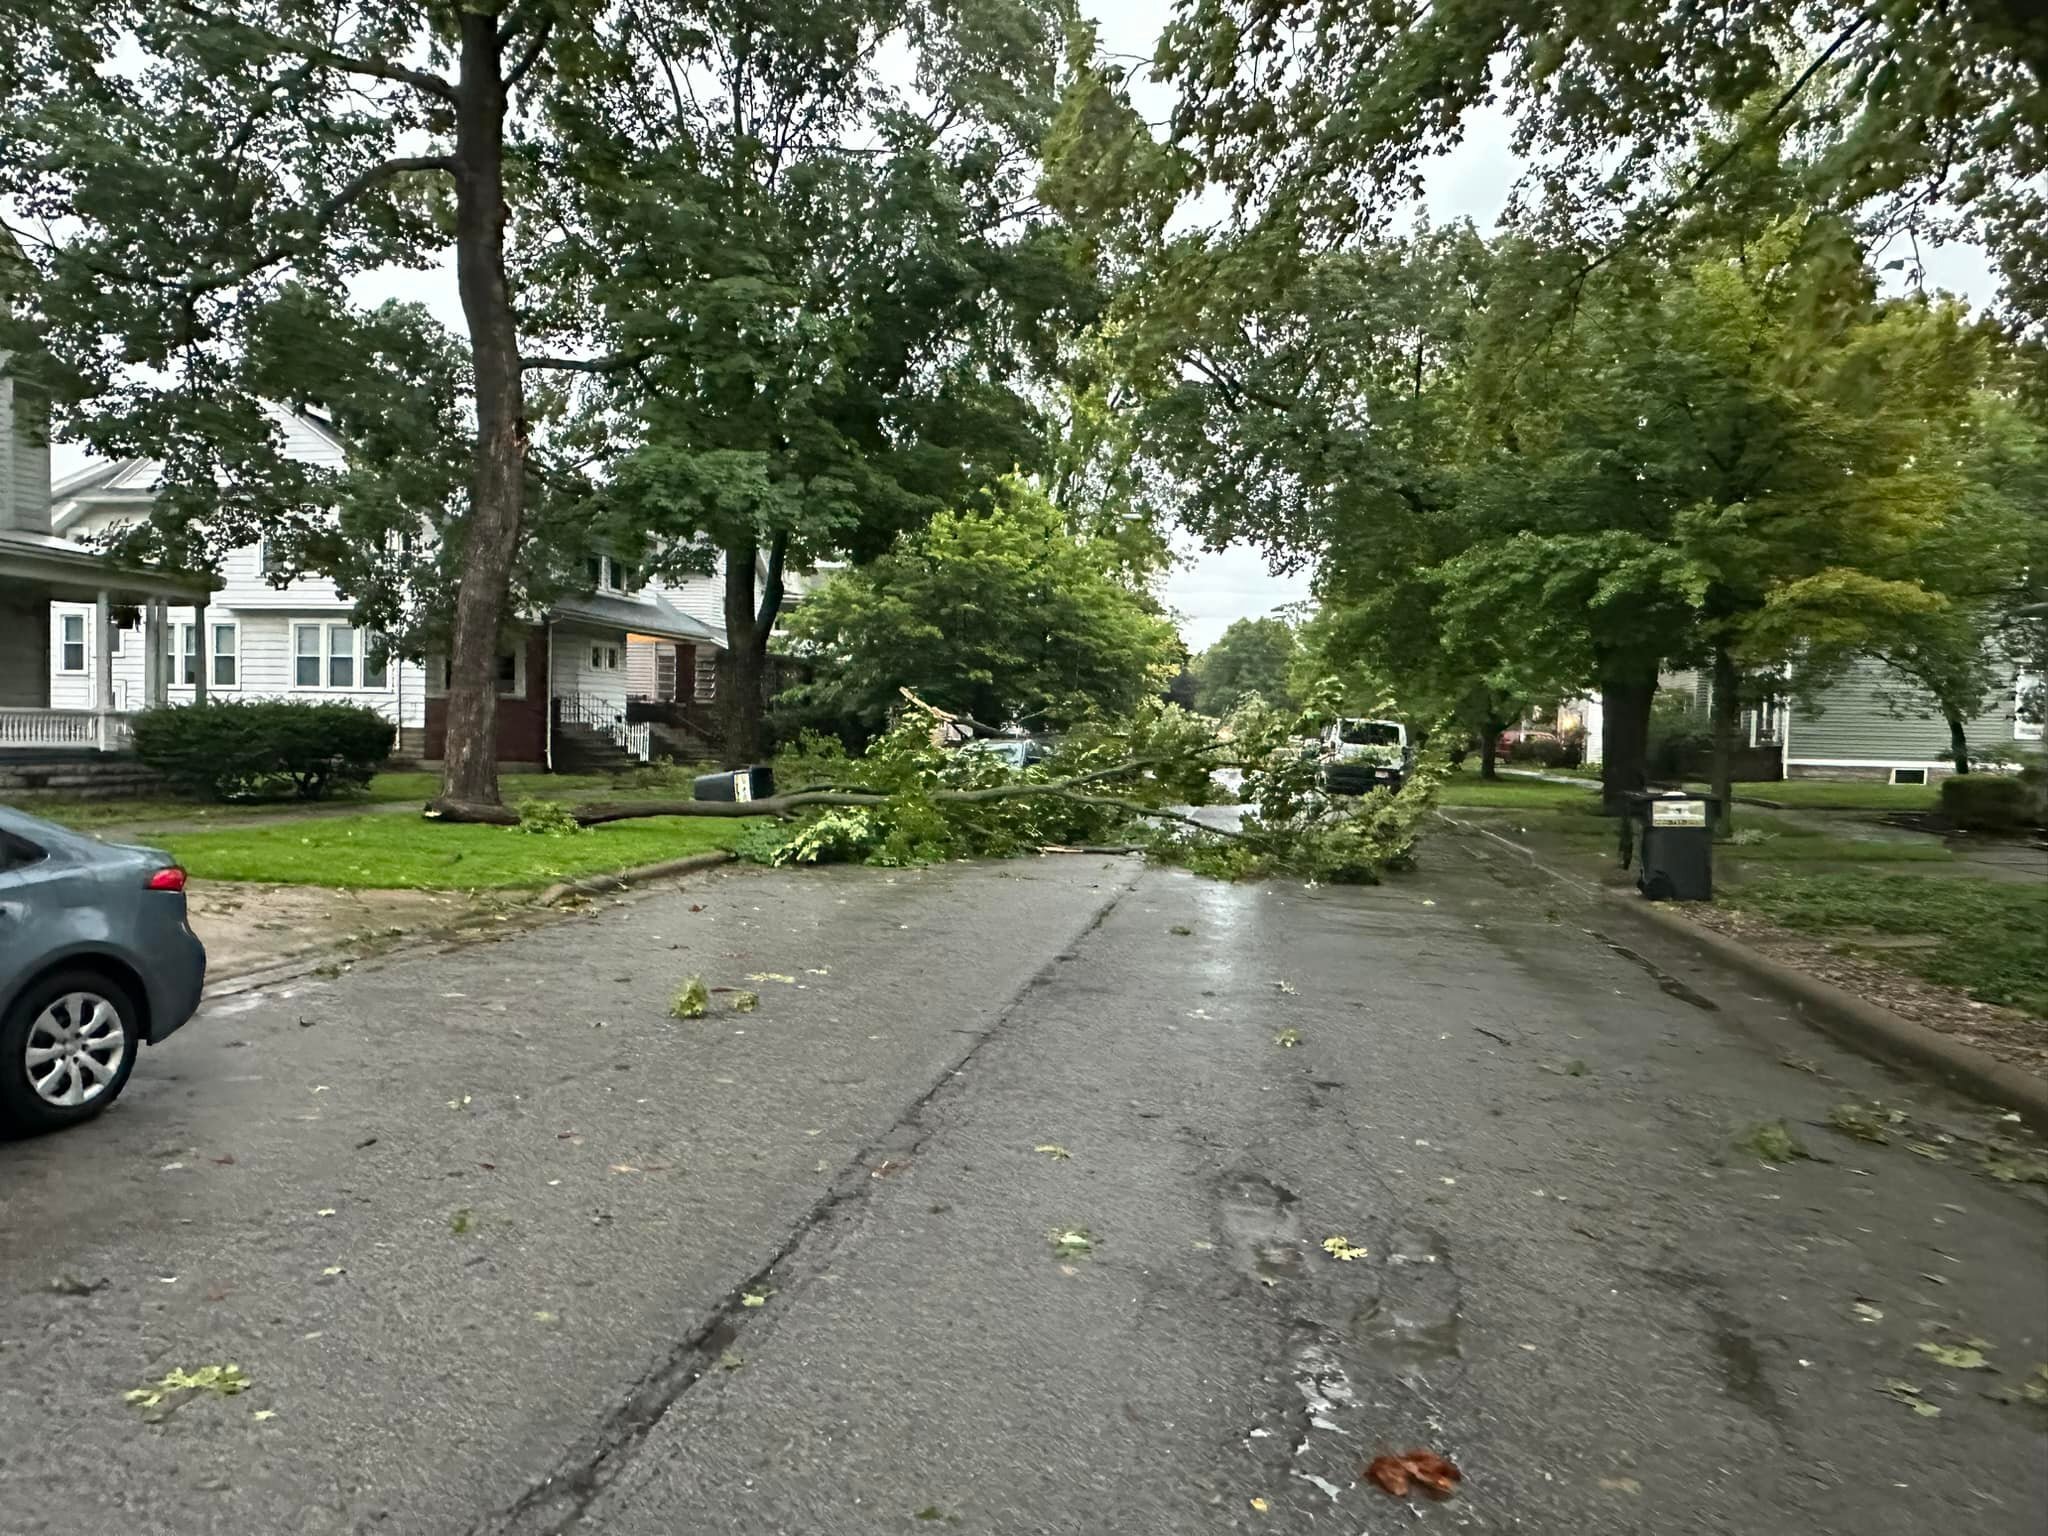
(1957,1357)
(731,1360)
(222,1380)
(745,1002)
(1053,1150)
(1071,1242)
(2034,1389)
(1770,1141)
(1180,930)
(1905,1392)
(1855,1120)
(1287,1039)
(461,1221)
(1342,1248)
(691,1002)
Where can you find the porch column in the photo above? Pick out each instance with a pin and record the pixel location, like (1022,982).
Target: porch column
(103,669)
(155,665)
(204,640)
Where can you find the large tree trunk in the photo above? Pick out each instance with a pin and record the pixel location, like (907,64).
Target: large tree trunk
(490,536)
(1489,753)
(749,621)
(1727,710)
(1958,745)
(1628,685)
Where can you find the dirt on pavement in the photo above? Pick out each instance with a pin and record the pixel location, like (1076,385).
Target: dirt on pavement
(247,926)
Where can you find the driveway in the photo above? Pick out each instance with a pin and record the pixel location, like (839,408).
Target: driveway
(502,1248)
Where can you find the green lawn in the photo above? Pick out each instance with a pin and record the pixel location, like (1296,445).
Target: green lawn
(1467,788)
(400,851)
(385,789)
(1991,933)
(1841,794)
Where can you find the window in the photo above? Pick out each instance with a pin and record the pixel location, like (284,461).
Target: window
(593,567)
(17,852)
(116,640)
(508,675)
(341,656)
(305,655)
(376,661)
(74,642)
(225,659)
(611,658)
(597,656)
(1909,775)
(2029,705)
(181,661)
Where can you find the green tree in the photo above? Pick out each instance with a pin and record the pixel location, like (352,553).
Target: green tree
(824,290)
(1325,111)
(998,612)
(198,183)
(1251,656)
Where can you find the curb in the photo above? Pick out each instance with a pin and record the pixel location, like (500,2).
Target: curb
(1847,1018)
(619,880)
(1867,1027)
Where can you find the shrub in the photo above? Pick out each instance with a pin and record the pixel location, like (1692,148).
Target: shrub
(1986,802)
(236,748)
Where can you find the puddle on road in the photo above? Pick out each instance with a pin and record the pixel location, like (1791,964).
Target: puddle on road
(1260,1227)
(1413,1321)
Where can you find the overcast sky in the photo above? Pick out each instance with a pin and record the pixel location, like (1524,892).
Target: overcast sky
(1210,588)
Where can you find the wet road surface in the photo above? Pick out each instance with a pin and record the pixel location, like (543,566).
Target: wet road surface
(503,1249)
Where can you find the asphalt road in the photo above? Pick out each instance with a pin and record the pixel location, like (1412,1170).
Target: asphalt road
(505,1250)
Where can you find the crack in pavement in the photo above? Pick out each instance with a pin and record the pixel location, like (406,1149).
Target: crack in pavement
(557,1504)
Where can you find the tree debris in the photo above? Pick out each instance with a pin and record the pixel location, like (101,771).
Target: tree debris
(691,1001)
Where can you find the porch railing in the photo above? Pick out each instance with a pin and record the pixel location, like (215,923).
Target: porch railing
(64,729)
(607,716)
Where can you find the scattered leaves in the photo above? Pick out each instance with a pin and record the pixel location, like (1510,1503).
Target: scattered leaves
(2033,1389)
(1342,1248)
(222,1380)
(1071,1242)
(745,1002)
(544,1317)
(788,981)
(1260,1505)
(1905,1392)
(731,1360)
(1431,1472)
(754,1299)
(1053,1150)
(1855,1120)
(461,1222)
(1576,1067)
(1285,986)
(1769,1140)
(1933,1154)
(1180,930)
(691,1001)
(1621,1485)
(2010,1166)
(1287,1039)
(1866,1313)
(264,1415)
(1800,1064)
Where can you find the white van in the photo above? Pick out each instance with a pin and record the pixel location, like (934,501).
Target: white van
(1358,755)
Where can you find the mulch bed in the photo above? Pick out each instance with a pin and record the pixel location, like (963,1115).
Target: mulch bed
(2017,1038)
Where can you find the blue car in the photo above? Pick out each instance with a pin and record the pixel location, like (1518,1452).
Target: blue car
(96,959)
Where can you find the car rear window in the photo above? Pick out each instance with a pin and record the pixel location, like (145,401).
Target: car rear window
(1371,733)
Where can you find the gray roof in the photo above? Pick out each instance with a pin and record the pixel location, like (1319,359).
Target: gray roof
(649,613)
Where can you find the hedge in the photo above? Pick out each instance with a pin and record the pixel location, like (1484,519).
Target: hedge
(233,748)
(1986,802)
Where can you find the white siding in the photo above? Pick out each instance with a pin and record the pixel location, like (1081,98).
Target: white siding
(640,666)
(576,673)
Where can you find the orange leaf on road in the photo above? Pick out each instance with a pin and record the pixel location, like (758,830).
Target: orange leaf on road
(1432,1472)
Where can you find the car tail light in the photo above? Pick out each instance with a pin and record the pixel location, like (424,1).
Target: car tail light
(171,879)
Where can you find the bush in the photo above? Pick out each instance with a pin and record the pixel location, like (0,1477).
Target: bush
(1680,737)
(236,749)
(1986,802)
(1550,751)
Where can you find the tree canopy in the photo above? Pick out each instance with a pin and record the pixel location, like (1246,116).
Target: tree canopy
(997,612)
(1251,656)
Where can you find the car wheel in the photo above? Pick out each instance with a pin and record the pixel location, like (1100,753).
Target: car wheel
(67,1046)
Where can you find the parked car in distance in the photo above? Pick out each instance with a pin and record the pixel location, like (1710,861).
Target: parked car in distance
(96,960)
(1010,751)
(1360,755)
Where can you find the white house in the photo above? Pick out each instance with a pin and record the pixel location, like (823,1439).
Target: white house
(40,571)
(255,639)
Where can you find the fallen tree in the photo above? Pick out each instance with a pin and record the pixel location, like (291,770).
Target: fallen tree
(1135,784)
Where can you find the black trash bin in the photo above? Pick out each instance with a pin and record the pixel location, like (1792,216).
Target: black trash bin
(1672,833)
(739,784)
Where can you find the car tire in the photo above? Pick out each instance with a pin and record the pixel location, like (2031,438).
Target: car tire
(67,1045)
